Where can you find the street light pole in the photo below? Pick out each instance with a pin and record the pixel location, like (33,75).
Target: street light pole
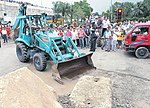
(41,3)
(111,11)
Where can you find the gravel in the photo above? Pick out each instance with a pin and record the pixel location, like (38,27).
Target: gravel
(116,103)
(64,100)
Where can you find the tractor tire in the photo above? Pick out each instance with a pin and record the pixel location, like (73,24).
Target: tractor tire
(142,52)
(22,50)
(39,61)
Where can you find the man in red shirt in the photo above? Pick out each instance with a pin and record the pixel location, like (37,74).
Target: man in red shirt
(60,33)
(8,31)
(81,35)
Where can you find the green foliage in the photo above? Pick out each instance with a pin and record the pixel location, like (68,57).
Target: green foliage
(131,11)
(77,11)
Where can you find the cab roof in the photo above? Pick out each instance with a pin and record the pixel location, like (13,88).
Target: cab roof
(143,24)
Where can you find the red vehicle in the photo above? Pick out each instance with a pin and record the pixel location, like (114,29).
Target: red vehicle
(137,40)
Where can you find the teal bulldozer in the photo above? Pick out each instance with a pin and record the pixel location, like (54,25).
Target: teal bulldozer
(40,44)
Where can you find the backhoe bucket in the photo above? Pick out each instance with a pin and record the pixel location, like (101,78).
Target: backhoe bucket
(72,67)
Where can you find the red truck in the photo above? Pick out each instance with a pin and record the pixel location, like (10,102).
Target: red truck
(137,40)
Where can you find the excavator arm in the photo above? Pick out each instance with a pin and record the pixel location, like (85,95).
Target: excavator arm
(22,12)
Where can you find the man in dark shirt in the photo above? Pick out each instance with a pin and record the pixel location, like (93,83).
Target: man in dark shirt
(93,40)
(99,27)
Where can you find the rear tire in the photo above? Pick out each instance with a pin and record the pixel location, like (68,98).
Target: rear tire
(142,52)
(22,50)
(39,61)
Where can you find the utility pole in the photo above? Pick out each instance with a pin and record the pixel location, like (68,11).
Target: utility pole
(41,3)
(111,11)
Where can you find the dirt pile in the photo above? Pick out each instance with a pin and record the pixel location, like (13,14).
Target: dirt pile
(23,89)
(92,92)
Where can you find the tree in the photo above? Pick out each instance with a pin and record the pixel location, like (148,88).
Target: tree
(146,8)
(127,8)
(107,14)
(58,7)
(65,9)
(77,11)
(82,9)
(138,10)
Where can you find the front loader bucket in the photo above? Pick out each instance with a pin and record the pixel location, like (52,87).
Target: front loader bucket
(73,67)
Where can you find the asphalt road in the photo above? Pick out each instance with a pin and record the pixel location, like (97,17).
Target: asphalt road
(8,59)
(130,76)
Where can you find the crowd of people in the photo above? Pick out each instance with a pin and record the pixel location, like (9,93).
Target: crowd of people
(97,32)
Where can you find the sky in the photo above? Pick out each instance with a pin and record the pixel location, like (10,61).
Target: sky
(98,5)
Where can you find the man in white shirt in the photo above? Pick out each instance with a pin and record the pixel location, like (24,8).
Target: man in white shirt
(74,35)
(4,34)
(105,23)
(114,41)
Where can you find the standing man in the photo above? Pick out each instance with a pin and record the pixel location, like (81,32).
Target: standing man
(107,39)
(114,41)
(106,23)
(87,37)
(93,40)
(8,31)
(81,35)
(74,35)
(99,27)
(4,34)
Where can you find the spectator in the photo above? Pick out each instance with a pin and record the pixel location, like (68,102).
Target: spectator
(107,38)
(93,40)
(105,23)
(87,36)
(74,35)
(55,31)
(68,33)
(99,25)
(114,41)
(4,35)
(60,33)
(81,35)
(68,36)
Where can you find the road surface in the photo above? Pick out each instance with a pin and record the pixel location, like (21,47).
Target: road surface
(130,76)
